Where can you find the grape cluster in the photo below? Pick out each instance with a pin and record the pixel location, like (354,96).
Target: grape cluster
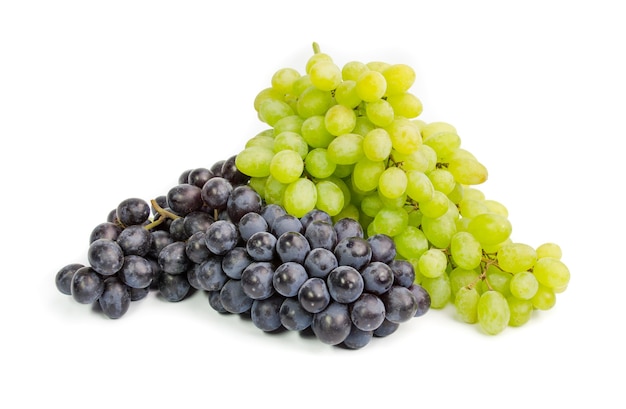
(347,140)
(213,233)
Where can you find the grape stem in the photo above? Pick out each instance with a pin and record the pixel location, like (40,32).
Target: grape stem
(165,214)
(316,48)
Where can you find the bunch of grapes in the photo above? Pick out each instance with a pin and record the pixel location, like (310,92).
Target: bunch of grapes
(213,233)
(347,140)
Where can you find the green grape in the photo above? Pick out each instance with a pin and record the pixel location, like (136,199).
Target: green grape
(258,184)
(415,216)
(432,128)
(490,228)
(497,280)
(347,193)
(349,211)
(339,120)
(391,221)
(292,123)
(325,75)
(314,132)
(271,110)
(493,248)
(399,78)
(432,263)
(352,70)
(377,145)
(516,257)
(343,171)
(411,243)
(552,250)
(274,191)
(419,187)
(544,299)
(346,149)
(435,207)
(466,169)
(330,198)
(552,273)
(444,143)
(366,174)
(460,277)
(371,85)
(466,304)
(315,58)
(456,195)
(416,160)
(471,192)
(378,66)
(291,141)
(439,231)
(393,203)
(318,164)
(521,311)
(405,135)
(346,94)
(470,208)
(430,156)
(523,285)
(264,94)
(313,101)
(286,166)
(300,197)
(439,290)
(494,206)
(254,161)
(493,312)
(405,105)
(283,79)
(392,183)
(379,112)
(465,250)
(301,84)
(442,180)
(262,141)
(371,204)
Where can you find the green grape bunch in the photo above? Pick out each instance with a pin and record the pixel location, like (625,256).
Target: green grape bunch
(347,140)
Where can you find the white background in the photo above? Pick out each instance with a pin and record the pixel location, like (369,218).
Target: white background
(100,101)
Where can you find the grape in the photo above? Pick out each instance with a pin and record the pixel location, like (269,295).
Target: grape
(215,192)
(346,149)
(345,284)
(321,234)
(354,252)
(423,299)
(265,314)
(371,86)
(286,166)
(330,197)
(105,230)
(235,261)
(466,251)
(400,304)
(292,246)
(221,237)
(210,274)
(366,174)
(197,221)
(392,183)
(516,257)
(105,256)
(300,197)
(549,250)
(293,316)
(377,145)
(251,223)
(383,248)
(173,258)
(184,199)
(233,297)
(133,211)
(243,200)
(115,298)
(313,295)
(399,78)
(288,278)
(368,312)
(320,262)
(523,285)
(332,325)
(552,273)
(493,312)
(318,164)
(357,338)
(520,310)
(134,240)
(466,304)
(87,285)
(339,120)
(63,278)
(287,223)
(314,132)
(490,228)
(254,161)
(379,112)
(136,272)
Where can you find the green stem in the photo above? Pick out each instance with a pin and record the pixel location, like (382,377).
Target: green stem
(316,48)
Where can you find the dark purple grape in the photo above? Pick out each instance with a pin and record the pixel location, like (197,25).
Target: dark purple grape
(87,285)
(160,239)
(135,240)
(173,287)
(271,212)
(216,168)
(367,312)
(285,223)
(234,299)
(133,211)
(265,313)
(199,176)
(106,230)
(184,199)
(348,227)
(403,273)
(386,328)
(261,246)
(357,338)
(345,284)
(354,252)
(235,261)
(332,325)
(423,299)
(383,248)
(221,237)
(251,223)
(136,272)
(400,304)
(313,295)
(232,173)
(377,277)
(288,278)
(184,176)
(105,256)
(115,298)
(215,192)
(215,301)
(314,215)
(292,246)
(322,234)
(196,248)
(197,221)
(243,199)
(177,230)
(63,277)
(210,274)
(319,262)
(256,280)
(137,294)
(293,316)
(173,258)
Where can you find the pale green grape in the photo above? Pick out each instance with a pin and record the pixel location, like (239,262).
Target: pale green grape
(378,66)
(521,311)
(430,156)
(318,164)
(435,207)
(460,277)
(399,78)
(516,257)
(415,216)
(432,263)
(258,184)
(346,95)
(552,273)
(544,299)
(286,166)
(314,132)
(346,149)
(371,85)
(405,135)
(470,208)
(325,75)
(266,93)
(405,105)
(347,193)
(439,290)
(391,221)
(254,161)
(456,195)
(419,187)
(366,174)
(261,140)
(417,160)
(291,141)
(549,250)
(392,183)
(490,228)
(497,280)
(283,80)
(494,206)
(330,198)
(493,248)
(315,58)
(363,126)
(371,204)
(292,123)
(393,203)
(274,191)
(523,285)
(300,197)
(411,243)
(343,171)
(377,145)
(443,180)
(465,250)
(349,211)
(432,128)
(301,84)
(313,101)
(271,110)
(379,112)
(352,70)
(466,304)
(493,312)
(466,169)
(339,120)
(444,143)
(439,231)
(471,192)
